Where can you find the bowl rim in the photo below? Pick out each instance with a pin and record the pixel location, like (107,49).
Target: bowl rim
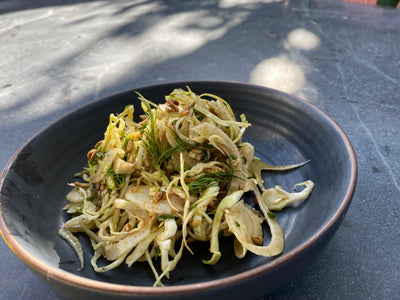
(60,275)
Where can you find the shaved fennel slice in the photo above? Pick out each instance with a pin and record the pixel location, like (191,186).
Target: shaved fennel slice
(219,139)
(140,196)
(122,167)
(247,223)
(199,226)
(114,250)
(141,248)
(276,198)
(198,215)
(275,247)
(257,166)
(217,120)
(164,242)
(227,202)
(75,244)
(118,251)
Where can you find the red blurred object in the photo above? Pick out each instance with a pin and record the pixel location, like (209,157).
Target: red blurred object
(392,3)
(371,2)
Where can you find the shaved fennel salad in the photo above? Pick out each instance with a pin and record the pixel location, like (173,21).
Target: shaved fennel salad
(178,175)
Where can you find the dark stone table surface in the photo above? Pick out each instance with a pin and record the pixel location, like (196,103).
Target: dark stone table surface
(342,57)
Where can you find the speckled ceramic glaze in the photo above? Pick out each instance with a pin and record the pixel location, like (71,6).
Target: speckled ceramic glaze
(284,130)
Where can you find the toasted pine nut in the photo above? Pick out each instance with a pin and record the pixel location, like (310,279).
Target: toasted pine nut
(257,240)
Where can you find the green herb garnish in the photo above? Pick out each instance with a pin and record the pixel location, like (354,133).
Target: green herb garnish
(158,151)
(90,198)
(163,217)
(207,179)
(126,140)
(114,179)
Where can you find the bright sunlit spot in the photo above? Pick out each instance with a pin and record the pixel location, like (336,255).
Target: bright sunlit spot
(181,34)
(284,72)
(233,3)
(303,39)
(279,73)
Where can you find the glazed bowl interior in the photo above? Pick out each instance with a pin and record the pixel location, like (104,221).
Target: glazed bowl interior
(284,130)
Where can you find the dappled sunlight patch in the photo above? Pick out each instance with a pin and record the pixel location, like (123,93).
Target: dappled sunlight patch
(279,73)
(233,3)
(287,71)
(184,33)
(303,39)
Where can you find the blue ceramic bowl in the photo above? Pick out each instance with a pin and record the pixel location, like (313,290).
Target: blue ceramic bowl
(284,130)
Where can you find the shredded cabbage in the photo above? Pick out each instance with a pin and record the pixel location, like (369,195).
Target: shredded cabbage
(177,176)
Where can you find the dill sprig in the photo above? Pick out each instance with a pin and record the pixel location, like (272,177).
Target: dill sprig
(150,142)
(207,179)
(180,147)
(160,152)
